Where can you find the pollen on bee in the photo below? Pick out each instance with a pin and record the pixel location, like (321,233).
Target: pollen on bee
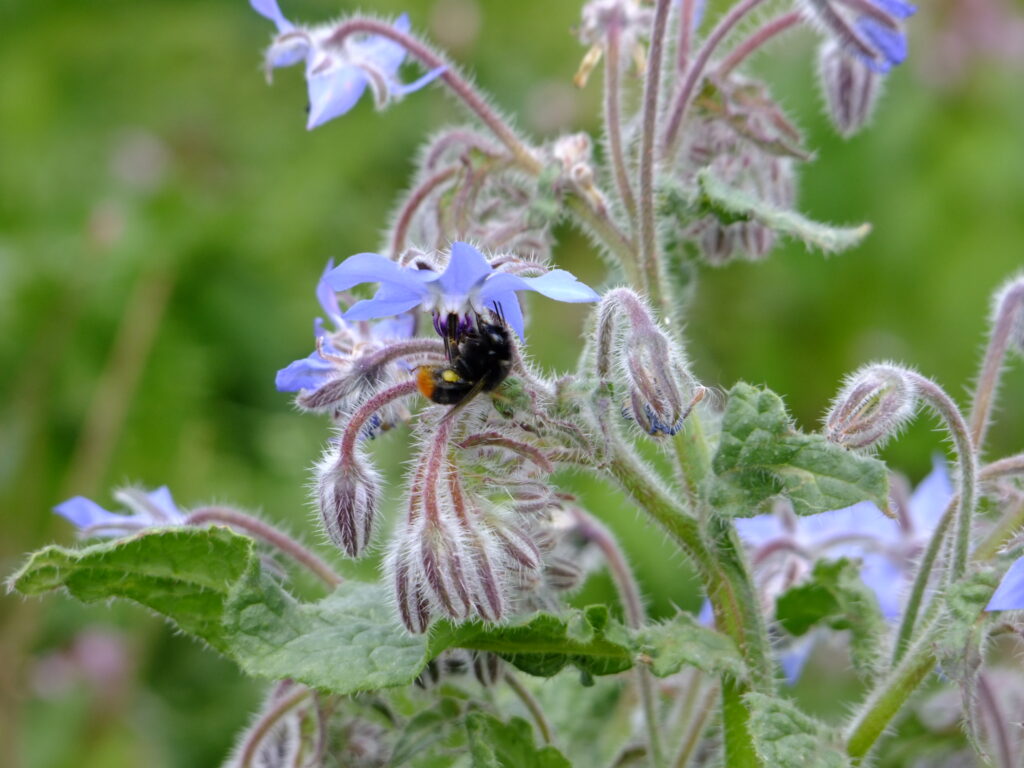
(425,381)
(450,376)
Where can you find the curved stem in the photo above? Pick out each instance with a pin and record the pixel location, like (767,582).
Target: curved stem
(692,736)
(532,706)
(759,37)
(270,535)
(1006,467)
(613,119)
(459,85)
(695,73)
(267,722)
(1010,305)
(652,88)
(936,397)
(687,17)
(921,579)
(629,592)
(416,198)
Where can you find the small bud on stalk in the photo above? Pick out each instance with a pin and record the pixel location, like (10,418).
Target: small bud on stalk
(874,404)
(347,495)
(851,88)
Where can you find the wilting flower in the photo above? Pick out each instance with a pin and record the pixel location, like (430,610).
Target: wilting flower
(145,510)
(468,284)
(338,76)
(784,547)
(338,349)
(870,29)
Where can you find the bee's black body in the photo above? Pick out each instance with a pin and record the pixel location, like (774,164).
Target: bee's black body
(479,359)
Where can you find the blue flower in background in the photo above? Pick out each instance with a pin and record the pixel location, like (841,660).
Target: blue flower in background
(146,510)
(870,29)
(468,284)
(342,344)
(1009,595)
(784,547)
(338,76)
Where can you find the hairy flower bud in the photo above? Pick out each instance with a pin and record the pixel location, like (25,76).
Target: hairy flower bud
(1008,307)
(873,405)
(661,390)
(488,668)
(851,88)
(347,493)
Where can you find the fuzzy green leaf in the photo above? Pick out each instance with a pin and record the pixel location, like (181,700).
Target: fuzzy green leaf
(544,644)
(682,642)
(186,574)
(784,737)
(761,455)
(494,744)
(835,596)
(731,204)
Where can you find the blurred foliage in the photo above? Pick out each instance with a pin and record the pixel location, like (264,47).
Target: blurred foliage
(164,217)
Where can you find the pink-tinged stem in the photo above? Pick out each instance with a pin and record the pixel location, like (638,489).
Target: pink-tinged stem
(652,87)
(267,722)
(498,440)
(450,77)
(365,412)
(695,73)
(269,534)
(416,198)
(760,36)
(687,16)
(1007,317)
(613,117)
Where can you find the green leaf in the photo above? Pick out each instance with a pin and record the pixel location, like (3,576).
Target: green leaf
(761,455)
(186,574)
(544,644)
(966,622)
(730,205)
(784,737)
(494,744)
(835,596)
(682,642)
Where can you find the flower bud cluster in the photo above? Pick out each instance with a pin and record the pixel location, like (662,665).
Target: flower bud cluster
(743,136)
(573,155)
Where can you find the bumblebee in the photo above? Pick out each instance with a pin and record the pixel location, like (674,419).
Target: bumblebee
(479,359)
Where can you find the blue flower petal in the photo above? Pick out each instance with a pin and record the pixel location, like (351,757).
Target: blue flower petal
(896,8)
(556,284)
(163,501)
(402,89)
(308,373)
(760,529)
(466,269)
(385,53)
(86,513)
(374,268)
(270,10)
(400,327)
(794,658)
(1009,596)
(328,297)
(333,92)
(931,498)
(891,43)
(371,309)
(887,580)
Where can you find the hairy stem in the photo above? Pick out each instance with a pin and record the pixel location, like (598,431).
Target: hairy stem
(695,73)
(269,534)
(267,722)
(613,118)
(758,38)
(691,738)
(532,706)
(687,27)
(921,580)
(947,410)
(636,616)
(1007,317)
(416,198)
(739,747)
(652,87)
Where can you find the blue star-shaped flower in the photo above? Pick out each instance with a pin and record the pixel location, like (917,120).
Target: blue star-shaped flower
(338,77)
(468,284)
(147,510)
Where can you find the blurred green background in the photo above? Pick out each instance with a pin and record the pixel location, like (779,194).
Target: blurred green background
(164,217)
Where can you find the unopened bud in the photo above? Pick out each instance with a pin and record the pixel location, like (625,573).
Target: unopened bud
(347,492)
(661,392)
(851,88)
(874,404)
(1008,307)
(562,574)
(488,668)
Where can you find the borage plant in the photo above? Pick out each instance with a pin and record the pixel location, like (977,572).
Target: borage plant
(460,653)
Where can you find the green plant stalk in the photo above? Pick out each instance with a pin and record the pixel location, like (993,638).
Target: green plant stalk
(891,694)
(728,587)
(921,579)
(692,456)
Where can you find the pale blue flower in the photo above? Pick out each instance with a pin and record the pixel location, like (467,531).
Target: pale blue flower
(869,29)
(340,344)
(468,284)
(338,76)
(146,510)
(1009,595)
